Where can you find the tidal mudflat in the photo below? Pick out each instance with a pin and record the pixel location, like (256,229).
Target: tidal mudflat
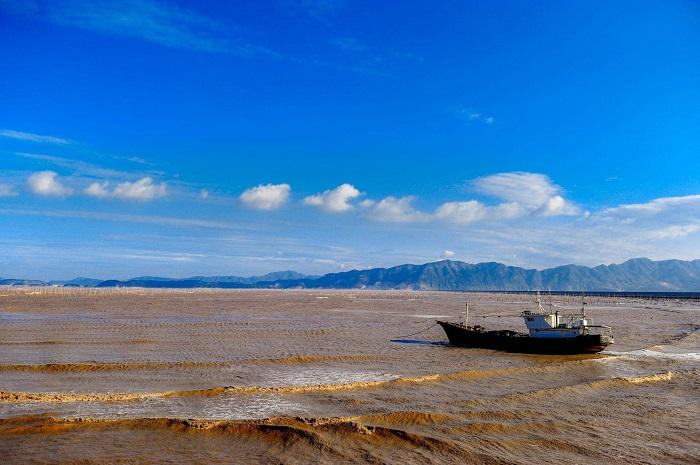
(248,376)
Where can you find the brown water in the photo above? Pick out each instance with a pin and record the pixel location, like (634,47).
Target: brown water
(212,377)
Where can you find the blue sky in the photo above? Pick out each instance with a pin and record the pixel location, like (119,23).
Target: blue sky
(146,137)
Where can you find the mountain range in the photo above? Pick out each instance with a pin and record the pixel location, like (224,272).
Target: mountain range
(639,274)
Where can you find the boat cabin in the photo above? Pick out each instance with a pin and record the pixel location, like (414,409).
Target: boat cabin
(542,324)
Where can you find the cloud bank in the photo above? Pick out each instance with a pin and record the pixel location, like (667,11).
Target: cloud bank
(518,217)
(521,194)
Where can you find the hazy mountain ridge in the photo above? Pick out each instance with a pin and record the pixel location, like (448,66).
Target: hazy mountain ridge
(639,274)
(225,282)
(274,276)
(77,282)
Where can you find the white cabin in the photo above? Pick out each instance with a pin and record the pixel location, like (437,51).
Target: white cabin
(554,325)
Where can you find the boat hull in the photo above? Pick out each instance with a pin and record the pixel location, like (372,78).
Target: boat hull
(511,341)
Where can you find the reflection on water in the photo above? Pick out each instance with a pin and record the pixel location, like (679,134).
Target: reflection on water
(418,341)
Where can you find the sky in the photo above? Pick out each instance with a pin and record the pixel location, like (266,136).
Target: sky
(153,137)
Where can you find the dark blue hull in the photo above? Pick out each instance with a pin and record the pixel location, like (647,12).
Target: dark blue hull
(510,341)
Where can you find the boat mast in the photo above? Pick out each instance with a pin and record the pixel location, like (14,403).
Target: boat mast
(466,316)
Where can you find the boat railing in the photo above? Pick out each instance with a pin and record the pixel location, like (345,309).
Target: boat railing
(599,329)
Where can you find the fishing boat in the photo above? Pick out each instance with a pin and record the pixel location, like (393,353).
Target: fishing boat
(549,332)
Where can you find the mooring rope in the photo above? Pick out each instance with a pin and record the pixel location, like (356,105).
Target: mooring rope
(421,331)
(474,317)
(495,316)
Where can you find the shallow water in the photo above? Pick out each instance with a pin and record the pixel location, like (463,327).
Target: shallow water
(343,376)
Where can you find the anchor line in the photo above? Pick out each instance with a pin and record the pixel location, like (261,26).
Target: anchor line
(435,324)
(421,331)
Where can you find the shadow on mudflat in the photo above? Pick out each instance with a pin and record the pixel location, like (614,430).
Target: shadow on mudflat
(419,341)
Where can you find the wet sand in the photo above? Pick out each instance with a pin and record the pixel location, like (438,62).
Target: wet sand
(247,376)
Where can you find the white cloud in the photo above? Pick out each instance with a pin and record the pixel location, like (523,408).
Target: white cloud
(334,200)
(98,189)
(6,190)
(557,205)
(506,211)
(470,115)
(524,193)
(448,253)
(531,190)
(266,196)
(31,137)
(397,210)
(661,219)
(48,183)
(654,207)
(367,203)
(204,194)
(472,211)
(675,231)
(141,190)
(482,118)
(461,212)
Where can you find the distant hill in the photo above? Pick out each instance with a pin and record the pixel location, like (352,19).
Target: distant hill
(636,275)
(172,283)
(21,282)
(275,276)
(77,282)
(640,274)
(224,282)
